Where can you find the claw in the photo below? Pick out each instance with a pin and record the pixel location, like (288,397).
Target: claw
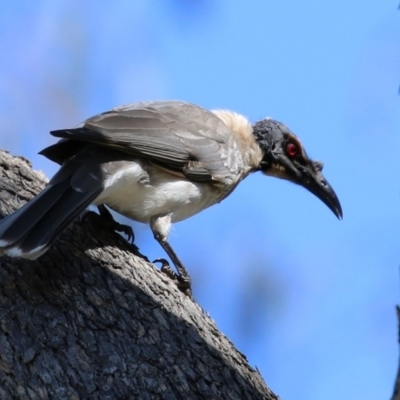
(127,230)
(182,283)
(166,268)
(116,226)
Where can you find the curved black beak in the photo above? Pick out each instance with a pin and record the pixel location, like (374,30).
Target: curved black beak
(309,175)
(319,186)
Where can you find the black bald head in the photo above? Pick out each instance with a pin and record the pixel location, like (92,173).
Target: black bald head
(286,158)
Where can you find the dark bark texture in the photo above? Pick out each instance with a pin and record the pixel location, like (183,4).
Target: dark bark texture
(396,392)
(92,319)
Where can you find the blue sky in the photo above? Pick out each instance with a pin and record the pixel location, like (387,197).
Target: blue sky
(310,300)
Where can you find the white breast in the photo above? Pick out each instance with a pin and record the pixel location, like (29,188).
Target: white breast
(140,191)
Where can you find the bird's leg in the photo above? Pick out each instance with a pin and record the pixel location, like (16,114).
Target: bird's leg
(183,277)
(161,226)
(116,226)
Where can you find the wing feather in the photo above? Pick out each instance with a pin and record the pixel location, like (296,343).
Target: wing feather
(179,136)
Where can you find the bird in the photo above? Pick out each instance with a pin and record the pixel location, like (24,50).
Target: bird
(157,162)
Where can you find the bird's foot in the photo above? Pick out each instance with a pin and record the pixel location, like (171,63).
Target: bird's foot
(183,282)
(114,225)
(124,229)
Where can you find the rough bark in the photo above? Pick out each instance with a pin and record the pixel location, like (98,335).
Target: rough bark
(92,319)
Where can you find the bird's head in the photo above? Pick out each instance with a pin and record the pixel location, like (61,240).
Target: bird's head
(284,157)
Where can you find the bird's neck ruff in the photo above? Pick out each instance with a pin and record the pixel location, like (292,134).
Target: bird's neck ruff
(243,132)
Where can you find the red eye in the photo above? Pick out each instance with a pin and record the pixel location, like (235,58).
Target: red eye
(291,150)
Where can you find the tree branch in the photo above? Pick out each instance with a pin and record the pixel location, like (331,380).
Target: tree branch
(93,319)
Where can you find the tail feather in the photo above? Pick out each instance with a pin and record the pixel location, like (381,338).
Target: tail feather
(29,231)
(15,226)
(56,219)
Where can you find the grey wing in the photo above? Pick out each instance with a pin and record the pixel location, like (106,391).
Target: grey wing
(176,135)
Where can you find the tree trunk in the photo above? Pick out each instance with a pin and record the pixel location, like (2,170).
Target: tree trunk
(92,319)
(396,392)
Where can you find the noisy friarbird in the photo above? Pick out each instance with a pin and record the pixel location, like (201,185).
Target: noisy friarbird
(157,162)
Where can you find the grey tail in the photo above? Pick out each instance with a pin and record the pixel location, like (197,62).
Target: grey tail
(30,231)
